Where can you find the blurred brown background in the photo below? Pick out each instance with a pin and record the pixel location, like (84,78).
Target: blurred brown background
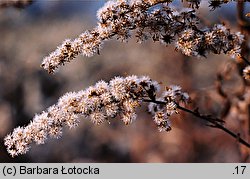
(29,34)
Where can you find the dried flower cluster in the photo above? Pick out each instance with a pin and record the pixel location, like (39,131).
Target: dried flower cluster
(218,40)
(100,103)
(150,19)
(171,97)
(213,4)
(246,73)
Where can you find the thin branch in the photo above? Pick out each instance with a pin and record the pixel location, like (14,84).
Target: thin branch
(245,60)
(215,122)
(216,125)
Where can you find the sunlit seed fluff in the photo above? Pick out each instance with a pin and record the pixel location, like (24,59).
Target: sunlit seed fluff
(187,34)
(40,136)
(42,121)
(72,120)
(175,88)
(162,121)
(9,141)
(28,133)
(246,72)
(128,117)
(117,88)
(130,105)
(165,126)
(169,95)
(22,147)
(55,131)
(18,133)
(186,47)
(106,98)
(171,108)
(56,114)
(13,152)
(132,79)
(239,37)
(209,38)
(102,12)
(101,87)
(159,117)
(111,109)
(98,117)
(93,103)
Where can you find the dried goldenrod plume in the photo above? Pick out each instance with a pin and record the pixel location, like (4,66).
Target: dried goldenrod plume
(149,19)
(100,103)
(120,97)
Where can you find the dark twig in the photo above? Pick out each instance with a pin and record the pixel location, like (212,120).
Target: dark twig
(216,125)
(214,122)
(245,60)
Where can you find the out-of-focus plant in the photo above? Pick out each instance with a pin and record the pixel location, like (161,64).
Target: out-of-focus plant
(15,3)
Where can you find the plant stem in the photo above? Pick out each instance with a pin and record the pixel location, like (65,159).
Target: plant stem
(216,123)
(245,60)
